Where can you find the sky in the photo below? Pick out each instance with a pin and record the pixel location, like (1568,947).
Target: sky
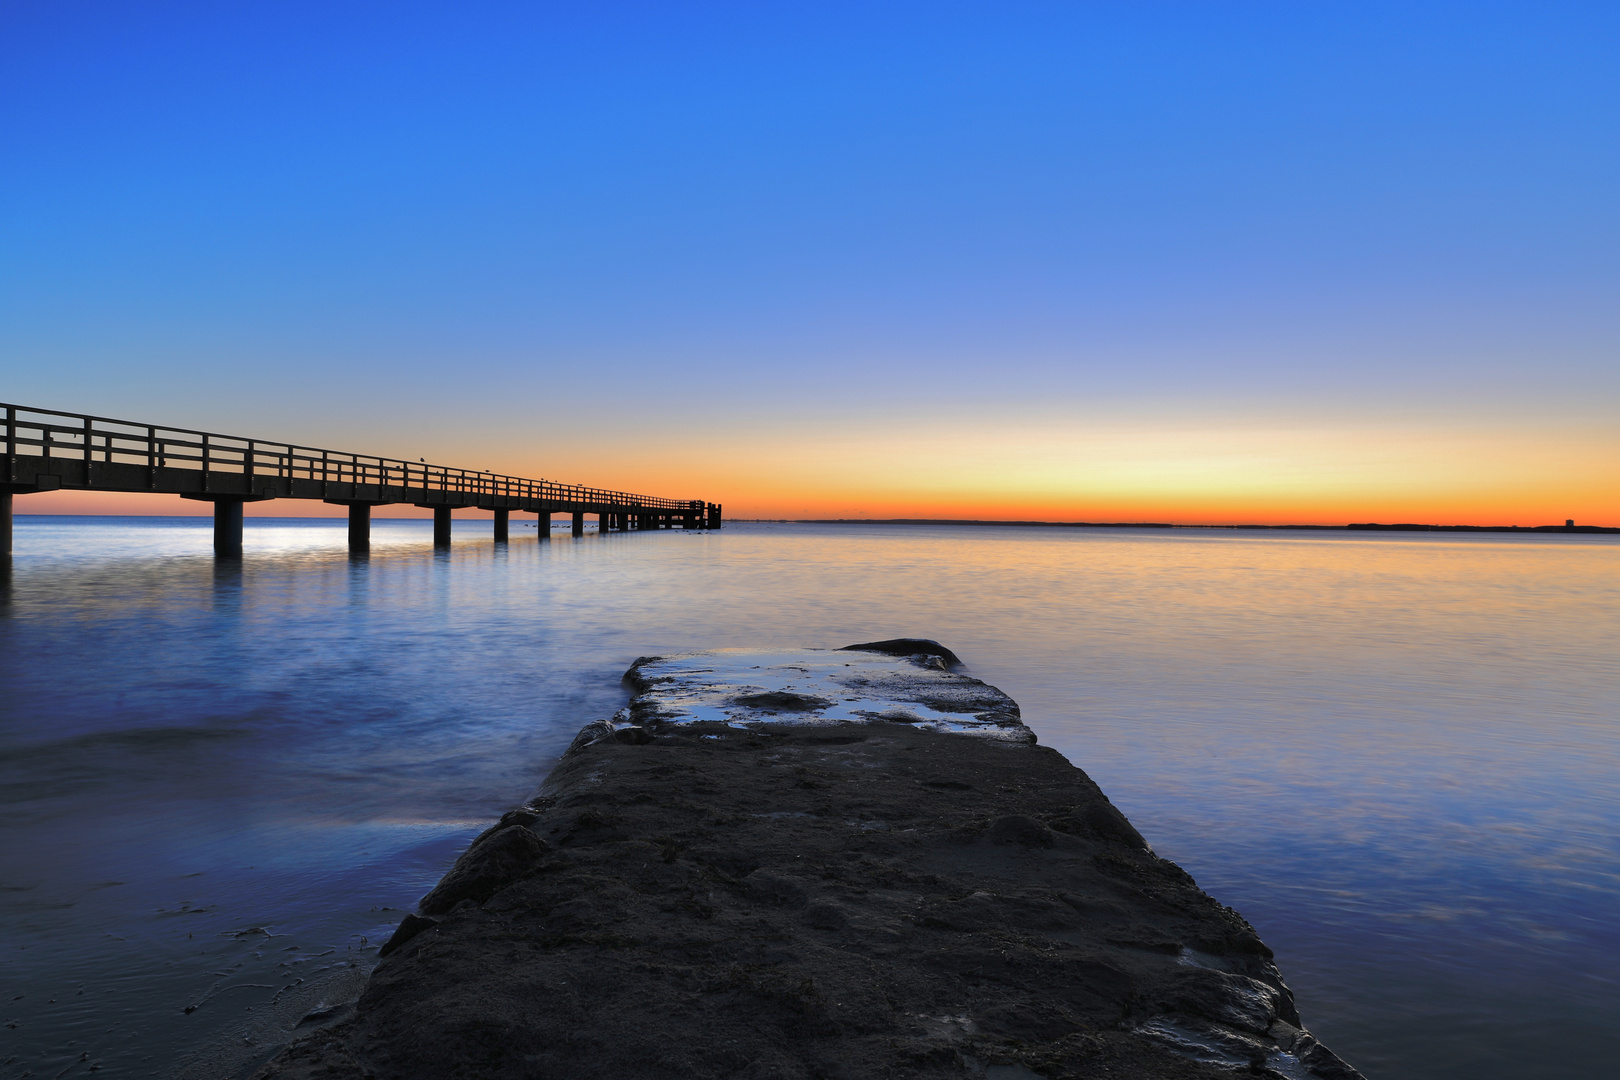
(1194,262)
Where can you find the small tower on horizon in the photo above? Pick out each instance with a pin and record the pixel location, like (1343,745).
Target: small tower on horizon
(1569,523)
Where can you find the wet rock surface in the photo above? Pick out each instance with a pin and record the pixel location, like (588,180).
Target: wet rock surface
(706,899)
(903,680)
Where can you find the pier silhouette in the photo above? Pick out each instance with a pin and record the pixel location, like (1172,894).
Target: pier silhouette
(48,450)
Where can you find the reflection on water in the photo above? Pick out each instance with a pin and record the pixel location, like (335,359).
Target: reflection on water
(1395,754)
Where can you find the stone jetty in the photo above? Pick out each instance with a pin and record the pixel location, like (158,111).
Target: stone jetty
(840,864)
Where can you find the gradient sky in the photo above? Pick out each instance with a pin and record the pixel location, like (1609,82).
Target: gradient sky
(1314,262)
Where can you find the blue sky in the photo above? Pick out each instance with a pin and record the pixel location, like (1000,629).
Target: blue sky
(507,230)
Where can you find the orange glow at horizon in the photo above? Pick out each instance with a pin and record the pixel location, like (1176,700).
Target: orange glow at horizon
(1225,474)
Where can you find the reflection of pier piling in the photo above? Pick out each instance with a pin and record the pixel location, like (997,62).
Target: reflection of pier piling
(50,451)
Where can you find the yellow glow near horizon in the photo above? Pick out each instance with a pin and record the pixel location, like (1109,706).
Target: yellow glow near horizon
(1178,470)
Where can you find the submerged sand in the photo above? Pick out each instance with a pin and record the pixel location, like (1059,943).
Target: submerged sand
(816,864)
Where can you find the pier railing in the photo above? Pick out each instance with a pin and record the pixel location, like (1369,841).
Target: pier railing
(88,440)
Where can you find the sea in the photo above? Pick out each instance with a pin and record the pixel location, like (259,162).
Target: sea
(222,783)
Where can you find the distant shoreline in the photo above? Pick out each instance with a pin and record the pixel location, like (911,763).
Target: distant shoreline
(1366,527)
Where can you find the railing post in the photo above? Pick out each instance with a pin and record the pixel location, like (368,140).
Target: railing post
(205,486)
(87,441)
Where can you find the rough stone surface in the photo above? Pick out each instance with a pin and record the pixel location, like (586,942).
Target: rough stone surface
(494,860)
(802,901)
(907,646)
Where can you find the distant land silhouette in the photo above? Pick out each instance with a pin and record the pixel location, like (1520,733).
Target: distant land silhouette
(1567,527)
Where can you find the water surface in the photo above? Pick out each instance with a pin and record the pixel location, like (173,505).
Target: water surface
(1396,754)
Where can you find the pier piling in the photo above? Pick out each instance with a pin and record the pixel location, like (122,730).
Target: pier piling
(359,526)
(502,521)
(579,523)
(228,527)
(441,526)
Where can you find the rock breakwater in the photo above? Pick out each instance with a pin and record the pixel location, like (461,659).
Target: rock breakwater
(817,864)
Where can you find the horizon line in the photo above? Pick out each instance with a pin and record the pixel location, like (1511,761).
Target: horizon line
(1568,527)
(991,522)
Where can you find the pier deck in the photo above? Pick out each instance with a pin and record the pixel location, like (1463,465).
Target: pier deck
(47,450)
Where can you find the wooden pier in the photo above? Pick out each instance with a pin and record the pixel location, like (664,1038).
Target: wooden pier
(48,450)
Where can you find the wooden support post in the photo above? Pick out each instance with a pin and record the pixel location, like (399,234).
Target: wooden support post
(227,528)
(502,518)
(359,527)
(5,523)
(543,526)
(441,526)
(579,523)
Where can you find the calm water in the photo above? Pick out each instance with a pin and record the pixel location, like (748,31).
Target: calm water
(1398,755)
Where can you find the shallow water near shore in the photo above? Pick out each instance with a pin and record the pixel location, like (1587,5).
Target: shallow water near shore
(1396,754)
